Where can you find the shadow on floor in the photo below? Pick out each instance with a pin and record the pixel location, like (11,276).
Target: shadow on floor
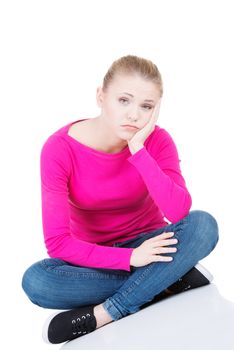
(198,319)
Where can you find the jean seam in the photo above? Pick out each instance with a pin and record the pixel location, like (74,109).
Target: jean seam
(138,280)
(88,275)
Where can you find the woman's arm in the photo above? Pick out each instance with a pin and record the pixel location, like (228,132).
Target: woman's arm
(161,173)
(55,173)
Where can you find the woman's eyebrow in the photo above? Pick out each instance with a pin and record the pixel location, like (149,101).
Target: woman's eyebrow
(127,93)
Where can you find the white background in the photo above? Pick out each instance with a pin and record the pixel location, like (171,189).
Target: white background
(54,54)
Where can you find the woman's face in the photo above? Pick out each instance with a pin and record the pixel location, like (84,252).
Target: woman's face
(129,99)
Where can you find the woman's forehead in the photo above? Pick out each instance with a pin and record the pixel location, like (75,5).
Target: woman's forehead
(132,85)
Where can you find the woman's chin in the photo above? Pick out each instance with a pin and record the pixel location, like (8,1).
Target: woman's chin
(126,134)
(125,137)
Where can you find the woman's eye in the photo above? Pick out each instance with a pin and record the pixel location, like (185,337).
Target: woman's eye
(148,107)
(122,99)
(145,106)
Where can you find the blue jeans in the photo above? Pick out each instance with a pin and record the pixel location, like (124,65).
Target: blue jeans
(56,284)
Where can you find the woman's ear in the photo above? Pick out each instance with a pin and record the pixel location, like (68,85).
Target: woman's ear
(99,96)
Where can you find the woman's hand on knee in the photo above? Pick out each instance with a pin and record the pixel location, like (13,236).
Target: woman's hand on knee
(149,251)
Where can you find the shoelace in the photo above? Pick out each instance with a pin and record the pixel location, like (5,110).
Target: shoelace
(80,324)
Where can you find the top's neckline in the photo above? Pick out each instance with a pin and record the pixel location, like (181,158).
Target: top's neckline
(90,149)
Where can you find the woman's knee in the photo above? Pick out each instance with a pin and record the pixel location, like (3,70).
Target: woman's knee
(35,281)
(30,282)
(205,227)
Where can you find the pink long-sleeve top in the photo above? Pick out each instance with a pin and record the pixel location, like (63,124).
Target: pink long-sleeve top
(92,199)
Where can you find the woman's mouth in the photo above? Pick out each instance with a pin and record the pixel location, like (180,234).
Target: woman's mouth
(131,127)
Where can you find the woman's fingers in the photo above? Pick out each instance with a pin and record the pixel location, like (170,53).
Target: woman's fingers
(163,239)
(160,250)
(165,242)
(156,111)
(157,258)
(162,236)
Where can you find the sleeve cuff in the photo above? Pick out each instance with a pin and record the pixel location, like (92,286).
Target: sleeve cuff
(138,154)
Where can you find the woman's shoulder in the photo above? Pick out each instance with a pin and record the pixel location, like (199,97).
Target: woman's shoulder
(55,146)
(56,138)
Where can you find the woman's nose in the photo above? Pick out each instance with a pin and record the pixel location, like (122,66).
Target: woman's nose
(133,114)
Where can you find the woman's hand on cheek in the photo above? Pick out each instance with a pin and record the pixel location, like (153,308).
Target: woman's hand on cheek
(137,141)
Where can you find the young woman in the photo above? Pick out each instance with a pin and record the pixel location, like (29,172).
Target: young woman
(108,183)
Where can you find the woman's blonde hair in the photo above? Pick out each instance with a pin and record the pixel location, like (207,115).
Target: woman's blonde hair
(131,64)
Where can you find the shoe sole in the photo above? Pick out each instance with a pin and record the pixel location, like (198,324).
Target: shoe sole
(46,326)
(205,272)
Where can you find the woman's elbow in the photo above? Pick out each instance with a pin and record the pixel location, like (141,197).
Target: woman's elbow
(181,211)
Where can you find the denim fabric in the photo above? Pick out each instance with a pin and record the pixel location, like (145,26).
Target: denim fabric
(56,284)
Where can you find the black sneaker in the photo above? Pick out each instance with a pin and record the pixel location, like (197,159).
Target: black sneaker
(198,276)
(69,325)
